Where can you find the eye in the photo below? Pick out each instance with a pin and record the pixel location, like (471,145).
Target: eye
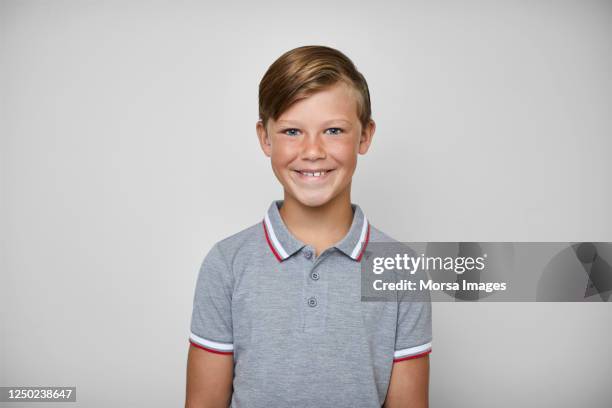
(336,131)
(292,132)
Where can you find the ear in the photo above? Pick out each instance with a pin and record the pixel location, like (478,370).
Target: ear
(264,140)
(367,133)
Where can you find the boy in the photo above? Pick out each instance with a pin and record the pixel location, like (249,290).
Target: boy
(278,319)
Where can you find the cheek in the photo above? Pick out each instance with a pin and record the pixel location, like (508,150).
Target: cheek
(281,154)
(345,152)
(277,149)
(277,164)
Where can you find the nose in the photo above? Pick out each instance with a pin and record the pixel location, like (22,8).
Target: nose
(313,148)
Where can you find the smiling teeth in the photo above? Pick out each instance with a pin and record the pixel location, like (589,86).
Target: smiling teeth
(315,174)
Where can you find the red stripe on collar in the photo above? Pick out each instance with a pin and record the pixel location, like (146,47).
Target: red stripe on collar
(270,243)
(365,244)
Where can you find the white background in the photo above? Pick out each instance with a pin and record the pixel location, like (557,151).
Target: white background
(128,148)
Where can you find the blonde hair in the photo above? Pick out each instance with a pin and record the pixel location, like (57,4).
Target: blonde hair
(302,71)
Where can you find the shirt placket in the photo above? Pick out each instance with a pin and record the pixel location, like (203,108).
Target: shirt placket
(314,290)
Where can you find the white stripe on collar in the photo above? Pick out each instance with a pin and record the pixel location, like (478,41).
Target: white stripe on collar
(357,248)
(277,245)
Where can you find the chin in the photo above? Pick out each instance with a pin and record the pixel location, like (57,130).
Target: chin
(313,199)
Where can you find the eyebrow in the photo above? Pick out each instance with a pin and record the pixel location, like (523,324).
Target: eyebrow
(298,123)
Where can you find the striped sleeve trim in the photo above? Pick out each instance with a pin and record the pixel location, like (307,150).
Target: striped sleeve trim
(212,346)
(412,352)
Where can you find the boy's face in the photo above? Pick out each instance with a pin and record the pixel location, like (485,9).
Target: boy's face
(314,144)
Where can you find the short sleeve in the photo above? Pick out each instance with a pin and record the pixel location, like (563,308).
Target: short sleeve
(414,334)
(211,320)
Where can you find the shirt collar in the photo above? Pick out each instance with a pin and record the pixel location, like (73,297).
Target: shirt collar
(283,244)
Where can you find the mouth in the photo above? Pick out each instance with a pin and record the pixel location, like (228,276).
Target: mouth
(313,174)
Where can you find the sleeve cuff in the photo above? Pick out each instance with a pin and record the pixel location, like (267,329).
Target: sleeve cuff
(412,352)
(212,346)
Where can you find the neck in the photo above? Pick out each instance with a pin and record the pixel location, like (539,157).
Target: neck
(322,226)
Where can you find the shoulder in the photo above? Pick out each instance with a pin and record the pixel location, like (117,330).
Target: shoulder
(376,235)
(226,255)
(239,242)
(380,237)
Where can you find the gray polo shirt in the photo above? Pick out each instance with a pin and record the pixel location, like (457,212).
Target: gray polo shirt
(295,323)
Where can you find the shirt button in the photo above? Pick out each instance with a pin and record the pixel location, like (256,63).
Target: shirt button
(312,301)
(314,275)
(307,254)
